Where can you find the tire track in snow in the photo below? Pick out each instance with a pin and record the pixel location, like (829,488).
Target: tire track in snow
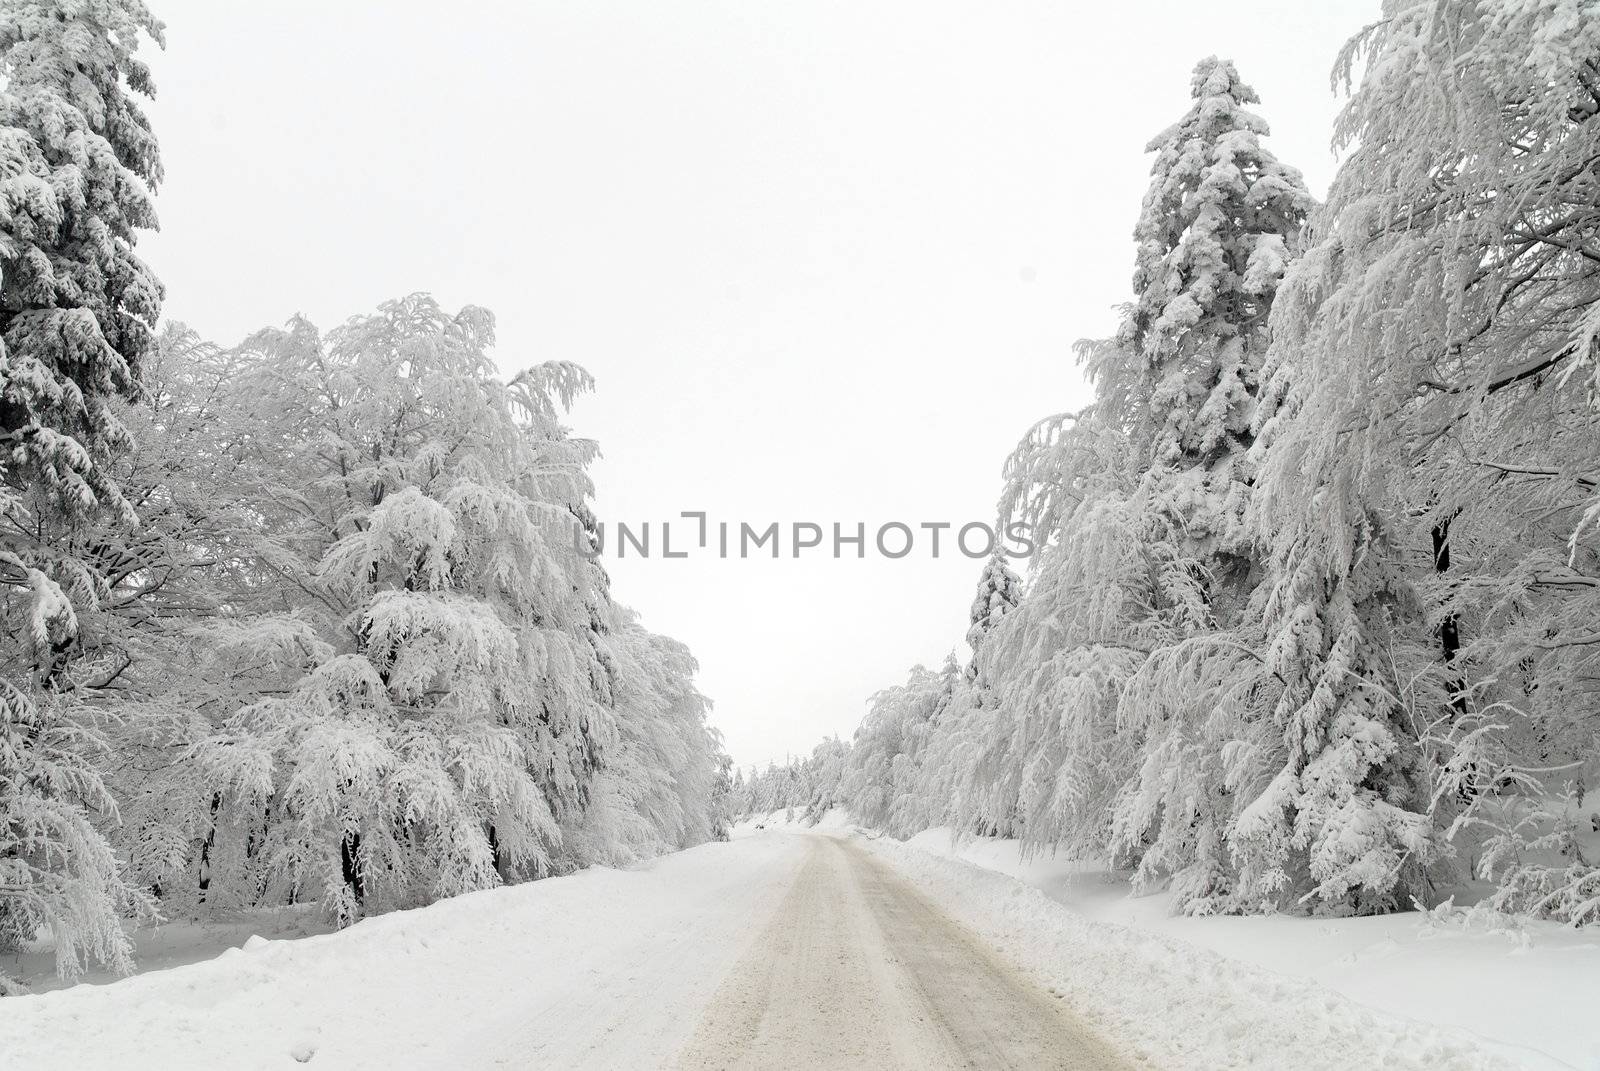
(857,969)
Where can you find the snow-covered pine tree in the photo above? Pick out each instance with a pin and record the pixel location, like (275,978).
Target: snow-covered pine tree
(1116,687)
(999,591)
(78,165)
(1429,459)
(1220,224)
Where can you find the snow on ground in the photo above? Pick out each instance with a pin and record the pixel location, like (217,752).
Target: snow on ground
(614,968)
(604,969)
(1526,990)
(171,944)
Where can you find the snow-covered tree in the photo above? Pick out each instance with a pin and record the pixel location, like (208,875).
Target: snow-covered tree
(413,682)
(884,756)
(166,627)
(1220,224)
(1218,227)
(824,777)
(1044,755)
(657,789)
(78,165)
(999,591)
(1429,453)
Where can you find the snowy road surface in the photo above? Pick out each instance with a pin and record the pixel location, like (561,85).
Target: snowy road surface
(859,970)
(782,949)
(778,950)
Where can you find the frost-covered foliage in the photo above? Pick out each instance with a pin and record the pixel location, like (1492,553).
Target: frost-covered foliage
(999,591)
(1429,453)
(78,166)
(350,651)
(1312,624)
(808,787)
(411,683)
(1125,701)
(662,783)
(1218,228)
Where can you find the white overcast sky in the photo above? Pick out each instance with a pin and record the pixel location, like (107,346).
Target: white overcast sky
(826,258)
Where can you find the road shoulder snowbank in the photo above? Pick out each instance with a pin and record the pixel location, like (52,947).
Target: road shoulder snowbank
(604,969)
(1182,1006)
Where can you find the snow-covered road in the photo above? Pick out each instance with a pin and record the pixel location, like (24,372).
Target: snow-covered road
(783,948)
(859,970)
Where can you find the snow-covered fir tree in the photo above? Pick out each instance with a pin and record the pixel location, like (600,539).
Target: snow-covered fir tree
(1220,224)
(999,591)
(1218,227)
(78,167)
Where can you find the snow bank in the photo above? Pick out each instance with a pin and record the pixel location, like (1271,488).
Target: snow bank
(1185,1007)
(1522,986)
(601,969)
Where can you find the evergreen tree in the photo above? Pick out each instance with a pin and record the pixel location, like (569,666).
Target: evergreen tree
(1218,228)
(78,166)
(1220,225)
(999,591)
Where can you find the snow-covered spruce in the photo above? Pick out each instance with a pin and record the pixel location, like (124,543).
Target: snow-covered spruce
(78,167)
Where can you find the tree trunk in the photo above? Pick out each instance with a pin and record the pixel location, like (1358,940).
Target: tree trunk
(1449,647)
(350,864)
(205,847)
